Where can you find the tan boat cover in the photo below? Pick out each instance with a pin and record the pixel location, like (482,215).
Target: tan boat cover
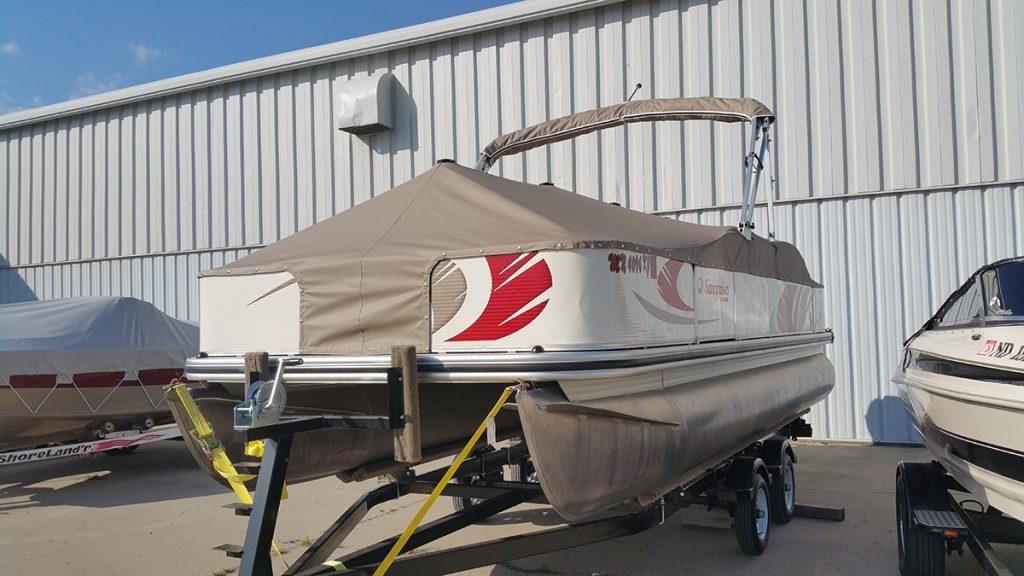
(363,274)
(657,109)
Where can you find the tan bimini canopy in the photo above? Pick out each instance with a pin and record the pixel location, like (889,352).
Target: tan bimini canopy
(363,274)
(653,110)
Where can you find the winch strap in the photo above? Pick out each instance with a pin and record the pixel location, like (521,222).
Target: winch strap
(396,549)
(221,463)
(219,458)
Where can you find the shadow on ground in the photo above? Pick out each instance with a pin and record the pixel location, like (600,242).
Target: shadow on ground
(531,516)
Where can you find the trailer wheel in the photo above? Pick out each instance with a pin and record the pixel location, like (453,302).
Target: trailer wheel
(783,491)
(523,471)
(920,554)
(751,518)
(460,503)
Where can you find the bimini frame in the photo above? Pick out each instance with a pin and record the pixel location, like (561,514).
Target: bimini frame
(756,161)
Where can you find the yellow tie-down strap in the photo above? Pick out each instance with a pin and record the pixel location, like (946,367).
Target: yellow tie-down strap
(215,450)
(396,549)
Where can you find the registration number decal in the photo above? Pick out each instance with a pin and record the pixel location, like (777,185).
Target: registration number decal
(999,349)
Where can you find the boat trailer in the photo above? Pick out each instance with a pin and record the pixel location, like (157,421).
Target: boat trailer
(931,523)
(114,443)
(480,490)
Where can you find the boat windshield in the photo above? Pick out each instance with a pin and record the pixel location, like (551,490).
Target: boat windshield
(1003,288)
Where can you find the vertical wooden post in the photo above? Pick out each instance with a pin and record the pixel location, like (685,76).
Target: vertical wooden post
(407,439)
(257,367)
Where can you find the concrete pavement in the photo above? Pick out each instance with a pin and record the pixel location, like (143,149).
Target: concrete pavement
(154,512)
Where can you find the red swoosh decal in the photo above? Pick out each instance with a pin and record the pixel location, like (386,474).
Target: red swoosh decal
(123,443)
(668,285)
(504,314)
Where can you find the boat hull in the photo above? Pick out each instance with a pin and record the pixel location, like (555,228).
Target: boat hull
(20,432)
(973,428)
(630,449)
(64,412)
(688,404)
(448,415)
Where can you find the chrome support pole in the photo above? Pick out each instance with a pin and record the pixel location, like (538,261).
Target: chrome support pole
(748,167)
(755,186)
(769,162)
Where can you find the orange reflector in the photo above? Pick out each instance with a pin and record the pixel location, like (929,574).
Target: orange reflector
(950,533)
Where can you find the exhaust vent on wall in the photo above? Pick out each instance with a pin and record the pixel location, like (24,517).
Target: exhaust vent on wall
(365,104)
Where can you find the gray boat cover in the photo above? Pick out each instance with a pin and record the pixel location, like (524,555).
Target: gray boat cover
(653,110)
(91,334)
(363,274)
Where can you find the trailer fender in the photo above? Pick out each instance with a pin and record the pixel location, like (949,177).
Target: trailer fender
(924,484)
(773,452)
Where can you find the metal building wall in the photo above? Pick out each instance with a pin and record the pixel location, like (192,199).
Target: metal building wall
(901,158)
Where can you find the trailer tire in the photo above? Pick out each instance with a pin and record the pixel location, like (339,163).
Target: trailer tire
(920,554)
(460,503)
(783,491)
(522,471)
(751,518)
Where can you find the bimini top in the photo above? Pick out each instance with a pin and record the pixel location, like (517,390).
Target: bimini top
(363,274)
(653,110)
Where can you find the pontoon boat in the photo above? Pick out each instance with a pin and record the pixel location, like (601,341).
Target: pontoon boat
(652,348)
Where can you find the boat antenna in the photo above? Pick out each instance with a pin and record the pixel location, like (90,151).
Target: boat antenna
(635,90)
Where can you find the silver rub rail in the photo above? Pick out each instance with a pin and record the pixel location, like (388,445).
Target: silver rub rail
(502,366)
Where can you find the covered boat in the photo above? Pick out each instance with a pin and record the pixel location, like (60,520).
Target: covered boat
(73,367)
(653,348)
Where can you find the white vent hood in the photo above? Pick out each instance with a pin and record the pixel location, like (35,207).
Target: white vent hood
(365,104)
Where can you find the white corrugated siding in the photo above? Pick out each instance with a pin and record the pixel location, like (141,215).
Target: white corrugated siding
(921,101)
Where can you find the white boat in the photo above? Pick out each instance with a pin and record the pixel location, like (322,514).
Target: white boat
(962,379)
(78,368)
(653,348)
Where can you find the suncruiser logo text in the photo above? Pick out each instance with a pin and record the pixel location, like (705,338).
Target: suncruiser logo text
(518,285)
(704,286)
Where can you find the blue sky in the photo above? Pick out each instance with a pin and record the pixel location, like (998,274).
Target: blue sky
(52,51)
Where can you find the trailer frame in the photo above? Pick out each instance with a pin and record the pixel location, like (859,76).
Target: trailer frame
(932,524)
(723,485)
